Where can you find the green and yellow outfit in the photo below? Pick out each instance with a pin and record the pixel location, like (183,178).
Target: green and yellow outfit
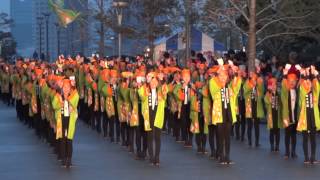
(274,122)
(153,109)
(308,118)
(253,95)
(224,112)
(66,115)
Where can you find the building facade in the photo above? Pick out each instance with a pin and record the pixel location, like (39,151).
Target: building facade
(21,13)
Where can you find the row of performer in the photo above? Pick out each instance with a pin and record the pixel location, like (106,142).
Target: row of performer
(133,103)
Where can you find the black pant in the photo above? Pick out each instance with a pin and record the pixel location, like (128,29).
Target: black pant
(142,144)
(134,135)
(37,121)
(291,135)
(65,143)
(142,138)
(118,131)
(254,122)
(7,98)
(224,131)
(19,109)
(111,121)
(105,124)
(240,127)
(274,139)
(186,122)
(81,108)
(170,122)
(154,136)
(87,114)
(177,127)
(213,137)
(97,115)
(201,138)
(124,129)
(309,136)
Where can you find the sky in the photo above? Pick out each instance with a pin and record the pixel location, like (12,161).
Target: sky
(5,6)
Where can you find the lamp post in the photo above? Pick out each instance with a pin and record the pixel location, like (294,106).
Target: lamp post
(47,15)
(39,19)
(58,37)
(119,5)
(113,49)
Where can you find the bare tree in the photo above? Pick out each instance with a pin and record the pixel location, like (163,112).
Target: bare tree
(155,18)
(263,20)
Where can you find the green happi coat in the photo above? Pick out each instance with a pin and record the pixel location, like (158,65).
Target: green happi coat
(162,96)
(125,106)
(134,100)
(270,118)
(302,115)
(247,90)
(285,90)
(172,102)
(195,110)
(179,97)
(43,99)
(109,103)
(73,100)
(5,80)
(215,91)
(206,107)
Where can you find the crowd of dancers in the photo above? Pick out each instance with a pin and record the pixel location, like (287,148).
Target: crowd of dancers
(133,103)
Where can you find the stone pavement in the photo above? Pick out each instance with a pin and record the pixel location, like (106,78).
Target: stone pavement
(24,157)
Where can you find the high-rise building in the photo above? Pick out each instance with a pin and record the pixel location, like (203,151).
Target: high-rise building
(67,41)
(21,13)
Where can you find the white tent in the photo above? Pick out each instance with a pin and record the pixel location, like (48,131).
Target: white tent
(200,42)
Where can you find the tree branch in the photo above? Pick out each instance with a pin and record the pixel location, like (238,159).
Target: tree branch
(280,34)
(232,22)
(268,7)
(280,19)
(239,9)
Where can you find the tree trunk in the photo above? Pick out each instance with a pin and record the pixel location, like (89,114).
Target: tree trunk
(252,36)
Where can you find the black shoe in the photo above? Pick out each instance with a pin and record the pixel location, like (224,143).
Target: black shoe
(212,156)
(306,161)
(272,149)
(63,163)
(222,161)
(286,156)
(204,151)
(229,162)
(314,162)
(294,155)
(257,145)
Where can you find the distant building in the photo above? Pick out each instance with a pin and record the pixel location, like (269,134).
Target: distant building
(21,13)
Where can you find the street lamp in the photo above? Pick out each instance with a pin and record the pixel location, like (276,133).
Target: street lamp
(114,48)
(47,15)
(58,37)
(119,5)
(39,21)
